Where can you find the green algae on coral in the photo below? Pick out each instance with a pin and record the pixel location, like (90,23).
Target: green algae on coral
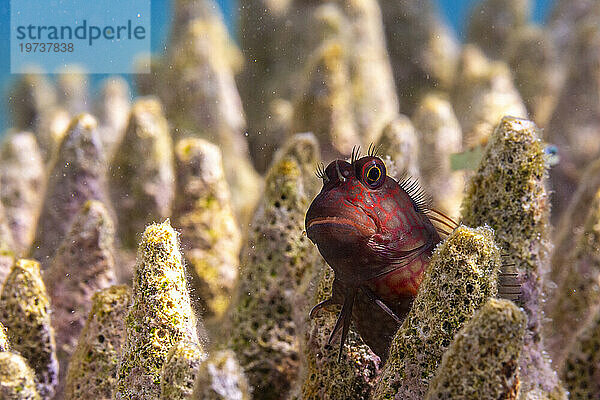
(160,315)
(582,365)
(483,359)
(142,179)
(23,180)
(93,366)
(577,298)
(26,316)
(461,277)
(180,370)
(508,192)
(210,236)
(16,378)
(439,137)
(78,175)
(221,378)
(323,377)
(83,264)
(4,344)
(277,267)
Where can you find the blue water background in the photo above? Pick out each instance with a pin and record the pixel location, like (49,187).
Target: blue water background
(455,12)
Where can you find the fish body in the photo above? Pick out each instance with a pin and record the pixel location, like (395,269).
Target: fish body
(375,234)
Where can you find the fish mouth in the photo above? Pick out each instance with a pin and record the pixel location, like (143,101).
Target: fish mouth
(337,221)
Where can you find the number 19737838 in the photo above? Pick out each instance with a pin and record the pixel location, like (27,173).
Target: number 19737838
(50,47)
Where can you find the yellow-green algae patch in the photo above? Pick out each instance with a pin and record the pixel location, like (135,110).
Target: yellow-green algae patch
(483,360)
(93,366)
(83,264)
(23,178)
(582,366)
(508,192)
(4,343)
(461,277)
(25,312)
(577,298)
(210,235)
(323,377)
(221,378)
(142,178)
(78,175)
(180,370)
(16,378)
(277,267)
(160,315)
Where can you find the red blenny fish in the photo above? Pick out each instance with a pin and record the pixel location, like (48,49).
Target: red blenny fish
(377,235)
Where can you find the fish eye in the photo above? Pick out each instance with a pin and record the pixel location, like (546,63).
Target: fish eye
(371,171)
(373,174)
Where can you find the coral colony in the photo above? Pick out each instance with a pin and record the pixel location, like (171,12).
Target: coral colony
(156,248)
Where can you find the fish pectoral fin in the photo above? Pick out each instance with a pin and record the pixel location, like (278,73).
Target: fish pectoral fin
(393,251)
(373,297)
(343,321)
